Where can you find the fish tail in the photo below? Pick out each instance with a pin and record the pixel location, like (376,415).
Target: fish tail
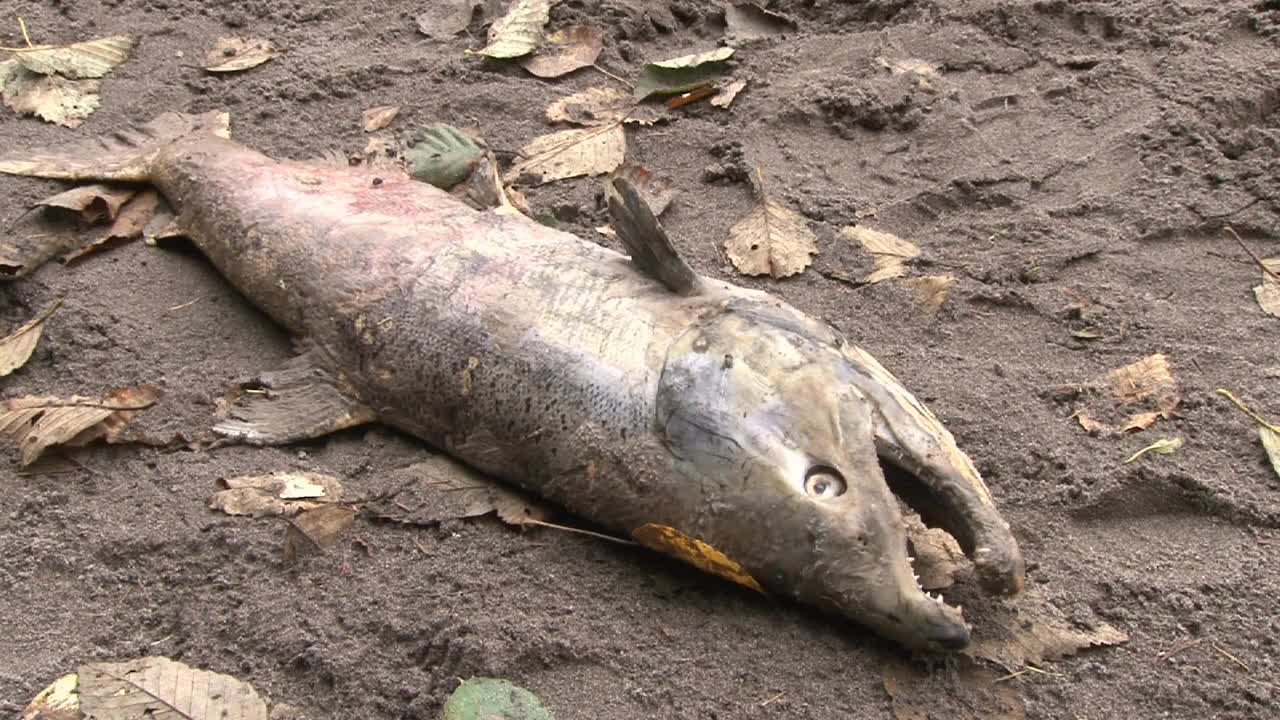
(123,155)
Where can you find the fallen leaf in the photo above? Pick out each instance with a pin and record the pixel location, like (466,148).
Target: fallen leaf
(314,530)
(92,203)
(724,96)
(601,105)
(59,701)
(377,118)
(672,542)
(936,556)
(773,239)
(164,689)
(231,54)
(443,156)
(932,290)
(519,32)
(681,74)
(1163,446)
(889,253)
(90,59)
(570,153)
(564,51)
(1030,630)
(1268,432)
(280,493)
(445,18)
(129,225)
(441,489)
(745,22)
(908,65)
(38,423)
(493,699)
(655,191)
(52,98)
(1132,397)
(1268,293)
(16,348)
(965,691)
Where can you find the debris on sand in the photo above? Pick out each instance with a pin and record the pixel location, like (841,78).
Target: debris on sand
(314,530)
(279,493)
(773,239)
(681,74)
(16,348)
(725,94)
(441,489)
(38,423)
(59,83)
(1030,630)
(1130,398)
(485,698)
(746,22)
(442,19)
(1163,446)
(233,54)
(593,150)
(932,290)
(377,118)
(889,253)
(602,105)
(1268,432)
(564,51)
(918,694)
(518,32)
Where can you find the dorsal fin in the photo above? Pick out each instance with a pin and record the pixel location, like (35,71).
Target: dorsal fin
(645,239)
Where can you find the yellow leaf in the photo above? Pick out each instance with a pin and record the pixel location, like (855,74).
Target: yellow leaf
(570,153)
(773,240)
(889,253)
(236,54)
(16,349)
(376,118)
(519,32)
(669,541)
(90,59)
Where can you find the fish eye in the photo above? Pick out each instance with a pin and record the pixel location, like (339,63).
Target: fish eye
(823,483)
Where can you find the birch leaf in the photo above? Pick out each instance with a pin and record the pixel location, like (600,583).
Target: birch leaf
(38,423)
(281,493)
(158,688)
(16,349)
(52,98)
(377,118)
(564,51)
(571,153)
(773,240)
(1132,397)
(235,54)
(677,75)
(1268,293)
(724,97)
(91,59)
(493,699)
(519,32)
(445,18)
(889,253)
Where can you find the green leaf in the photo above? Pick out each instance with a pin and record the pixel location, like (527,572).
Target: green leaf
(443,156)
(493,699)
(681,74)
(519,32)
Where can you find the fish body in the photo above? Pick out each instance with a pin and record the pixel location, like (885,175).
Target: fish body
(625,389)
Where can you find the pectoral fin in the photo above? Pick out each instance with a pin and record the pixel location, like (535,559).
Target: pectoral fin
(300,401)
(646,241)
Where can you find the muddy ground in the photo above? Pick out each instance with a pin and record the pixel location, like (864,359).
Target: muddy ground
(1073,167)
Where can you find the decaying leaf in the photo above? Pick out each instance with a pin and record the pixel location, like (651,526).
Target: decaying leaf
(314,530)
(158,688)
(1030,630)
(232,54)
(724,97)
(747,21)
(669,541)
(440,489)
(919,694)
(377,118)
(932,290)
(564,51)
(59,701)
(38,423)
(601,105)
(92,203)
(681,74)
(442,19)
(519,32)
(1268,293)
(902,66)
(1132,397)
(1163,446)
(889,253)
(936,556)
(52,98)
(129,225)
(89,59)
(1268,432)
(493,699)
(655,191)
(773,240)
(16,348)
(443,155)
(280,493)
(570,153)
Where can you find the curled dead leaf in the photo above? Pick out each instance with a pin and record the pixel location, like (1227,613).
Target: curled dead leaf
(92,203)
(725,96)
(1030,630)
(672,542)
(889,253)
(16,348)
(377,118)
(571,153)
(232,54)
(280,493)
(564,51)
(129,225)
(773,240)
(1132,397)
(519,31)
(38,423)
(314,530)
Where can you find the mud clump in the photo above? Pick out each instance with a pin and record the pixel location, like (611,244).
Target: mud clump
(892,104)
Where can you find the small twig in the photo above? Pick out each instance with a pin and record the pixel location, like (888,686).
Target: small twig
(1231,231)
(421,548)
(566,528)
(183,305)
(1013,675)
(1229,656)
(773,699)
(23,25)
(611,76)
(1248,410)
(1179,648)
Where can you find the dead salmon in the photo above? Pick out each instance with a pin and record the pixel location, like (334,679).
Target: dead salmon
(703,419)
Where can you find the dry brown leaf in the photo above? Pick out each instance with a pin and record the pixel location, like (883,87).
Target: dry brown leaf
(129,225)
(519,31)
(52,98)
(1030,630)
(932,290)
(158,688)
(443,19)
(564,51)
(889,253)
(937,556)
(1268,293)
(59,701)
(725,96)
(377,118)
(570,153)
(16,348)
(38,423)
(917,694)
(89,59)
(773,240)
(314,530)
(601,105)
(672,542)
(280,493)
(92,203)
(441,489)
(232,54)
(1132,397)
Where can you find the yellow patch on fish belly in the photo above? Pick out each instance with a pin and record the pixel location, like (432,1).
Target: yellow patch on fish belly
(669,541)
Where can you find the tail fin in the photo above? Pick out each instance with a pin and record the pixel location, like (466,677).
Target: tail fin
(122,155)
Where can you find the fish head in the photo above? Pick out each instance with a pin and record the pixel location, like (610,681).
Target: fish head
(786,427)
